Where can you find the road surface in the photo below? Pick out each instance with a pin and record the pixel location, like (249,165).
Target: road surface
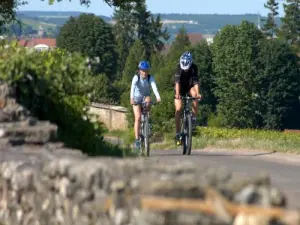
(284,170)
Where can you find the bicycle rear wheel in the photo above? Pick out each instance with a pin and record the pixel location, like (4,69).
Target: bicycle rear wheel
(146,135)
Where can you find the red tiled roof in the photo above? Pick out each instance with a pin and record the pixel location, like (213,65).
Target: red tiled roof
(195,37)
(51,42)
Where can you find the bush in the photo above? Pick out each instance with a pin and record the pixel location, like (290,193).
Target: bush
(56,86)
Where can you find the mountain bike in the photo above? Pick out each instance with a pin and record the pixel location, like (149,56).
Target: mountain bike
(145,127)
(186,124)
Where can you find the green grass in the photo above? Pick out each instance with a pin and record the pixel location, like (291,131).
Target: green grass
(235,139)
(221,138)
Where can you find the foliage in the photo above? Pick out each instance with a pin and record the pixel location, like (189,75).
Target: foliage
(291,22)
(279,85)
(55,86)
(203,59)
(136,54)
(270,26)
(124,32)
(93,37)
(235,52)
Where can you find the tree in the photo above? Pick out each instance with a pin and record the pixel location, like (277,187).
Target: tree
(270,25)
(290,29)
(134,21)
(136,54)
(235,52)
(7,10)
(8,7)
(93,37)
(149,29)
(181,41)
(166,73)
(124,31)
(202,57)
(116,3)
(279,85)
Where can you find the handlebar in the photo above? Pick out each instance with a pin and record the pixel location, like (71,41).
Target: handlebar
(190,98)
(143,103)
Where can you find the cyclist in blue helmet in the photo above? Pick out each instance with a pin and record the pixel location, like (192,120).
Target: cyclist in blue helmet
(140,89)
(186,82)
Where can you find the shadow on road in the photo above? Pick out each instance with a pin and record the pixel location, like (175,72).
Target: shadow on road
(167,153)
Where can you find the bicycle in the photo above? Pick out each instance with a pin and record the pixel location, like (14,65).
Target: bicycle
(145,127)
(186,124)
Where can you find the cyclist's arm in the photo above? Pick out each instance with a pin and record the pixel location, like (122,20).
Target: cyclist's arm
(154,87)
(133,84)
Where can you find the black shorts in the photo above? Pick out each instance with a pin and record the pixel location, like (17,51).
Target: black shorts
(184,91)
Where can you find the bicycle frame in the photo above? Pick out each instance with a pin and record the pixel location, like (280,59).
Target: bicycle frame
(145,130)
(186,123)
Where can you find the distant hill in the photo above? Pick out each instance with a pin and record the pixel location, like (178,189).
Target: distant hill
(194,23)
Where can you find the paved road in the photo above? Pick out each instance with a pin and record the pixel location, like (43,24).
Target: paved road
(284,170)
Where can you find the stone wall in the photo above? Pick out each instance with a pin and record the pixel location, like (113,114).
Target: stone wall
(113,117)
(44,183)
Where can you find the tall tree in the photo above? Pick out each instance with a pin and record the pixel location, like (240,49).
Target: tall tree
(290,29)
(149,29)
(203,58)
(92,36)
(124,31)
(235,52)
(278,86)
(270,25)
(136,54)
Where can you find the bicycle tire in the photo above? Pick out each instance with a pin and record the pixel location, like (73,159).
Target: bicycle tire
(142,137)
(146,135)
(189,131)
(183,138)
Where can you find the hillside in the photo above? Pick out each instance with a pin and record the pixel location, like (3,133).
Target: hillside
(194,23)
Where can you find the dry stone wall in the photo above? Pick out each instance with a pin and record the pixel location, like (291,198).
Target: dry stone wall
(44,183)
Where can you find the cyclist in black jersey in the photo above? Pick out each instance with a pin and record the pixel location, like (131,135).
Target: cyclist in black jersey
(186,82)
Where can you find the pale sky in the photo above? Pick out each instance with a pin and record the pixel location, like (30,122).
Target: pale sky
(98,7)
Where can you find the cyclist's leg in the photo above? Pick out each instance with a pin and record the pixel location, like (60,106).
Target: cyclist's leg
(178,107)
(137,120)
(193,93)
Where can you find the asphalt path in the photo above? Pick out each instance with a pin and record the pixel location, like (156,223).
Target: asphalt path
(283,169)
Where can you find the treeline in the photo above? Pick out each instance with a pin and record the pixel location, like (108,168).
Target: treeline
(249,78)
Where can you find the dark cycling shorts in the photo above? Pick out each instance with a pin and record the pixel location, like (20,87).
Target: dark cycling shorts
(184,91)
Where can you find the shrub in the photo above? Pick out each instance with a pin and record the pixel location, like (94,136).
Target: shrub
(56,86)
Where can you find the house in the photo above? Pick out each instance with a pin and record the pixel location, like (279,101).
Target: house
(39,44)
(193,37)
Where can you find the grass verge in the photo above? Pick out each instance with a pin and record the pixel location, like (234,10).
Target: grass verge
(233,139)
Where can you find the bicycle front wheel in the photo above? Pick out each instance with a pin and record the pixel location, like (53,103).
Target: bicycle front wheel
(189,134)
(146,133)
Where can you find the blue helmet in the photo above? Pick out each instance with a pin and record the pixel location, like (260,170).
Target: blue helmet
(186,60)
(144,65)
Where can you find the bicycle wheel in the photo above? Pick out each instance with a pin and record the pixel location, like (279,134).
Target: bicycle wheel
(142,136)
(183,135)
(189,134)
(146,135)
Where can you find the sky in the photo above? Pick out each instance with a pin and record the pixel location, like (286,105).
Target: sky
(98,7)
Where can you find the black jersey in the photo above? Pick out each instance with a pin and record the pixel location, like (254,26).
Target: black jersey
(186,79)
